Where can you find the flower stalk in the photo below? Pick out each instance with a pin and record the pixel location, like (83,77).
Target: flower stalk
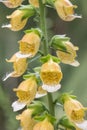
(45,47)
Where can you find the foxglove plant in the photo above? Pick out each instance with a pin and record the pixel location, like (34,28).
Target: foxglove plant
(46,77)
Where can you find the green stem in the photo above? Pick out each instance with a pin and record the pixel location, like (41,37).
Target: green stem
(43,27)
(45,47)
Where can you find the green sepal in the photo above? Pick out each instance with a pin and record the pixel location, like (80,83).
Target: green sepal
(34,75)
(39,117)
(37,69)
(26,7)
(48,58)
(38,108)
(66,96)
(28,11)
(58,42)
(47,116)
(35,30)
(64,121)
(50,2)
(51,118)
(29,75)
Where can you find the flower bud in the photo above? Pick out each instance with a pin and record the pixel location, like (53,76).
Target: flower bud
(12,3)
(43,125)
(65,10)
(29,45)
(26,120)
(51,76)
(69,56)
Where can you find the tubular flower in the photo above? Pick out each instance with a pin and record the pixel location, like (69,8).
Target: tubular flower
(68,58)
(26,120)
(12,3)
(75,112)
(17,20)
(26,92)
(29,45)
(19,66)
(43,125)
(65,10)
(51,76)
(34,3)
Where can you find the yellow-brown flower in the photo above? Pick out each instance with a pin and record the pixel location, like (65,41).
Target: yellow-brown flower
(74,110)
(68,58)
(17,20)
(34,3)
(65,10)
(12,3)
(19,66)
(26,120)
(43,125)
(25,92)
(29,45)
(51,76)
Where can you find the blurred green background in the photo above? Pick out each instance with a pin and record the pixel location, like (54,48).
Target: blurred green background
(74,79)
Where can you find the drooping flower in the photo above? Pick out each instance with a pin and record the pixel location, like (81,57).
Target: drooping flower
(16,20)
(19,17)
(25,92)
(29,45)
(43,125)
(65,10)
(51,76)
(68,58)
(26,120)
(75,112)
(19,66)
(12,3)
(34,3)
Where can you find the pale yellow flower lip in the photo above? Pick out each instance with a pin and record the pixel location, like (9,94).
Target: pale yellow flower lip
(21,55)
(38,95)
(16,105)
(82,125)
(75,63)
(12,74)
(8,75)
(51,88)
(6,26)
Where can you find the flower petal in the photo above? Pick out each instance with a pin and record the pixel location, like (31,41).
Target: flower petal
(51,88)
(82,125)
(38,95)
(75,63)
(7,76)
(7,26)
(18,106)
(20,55)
